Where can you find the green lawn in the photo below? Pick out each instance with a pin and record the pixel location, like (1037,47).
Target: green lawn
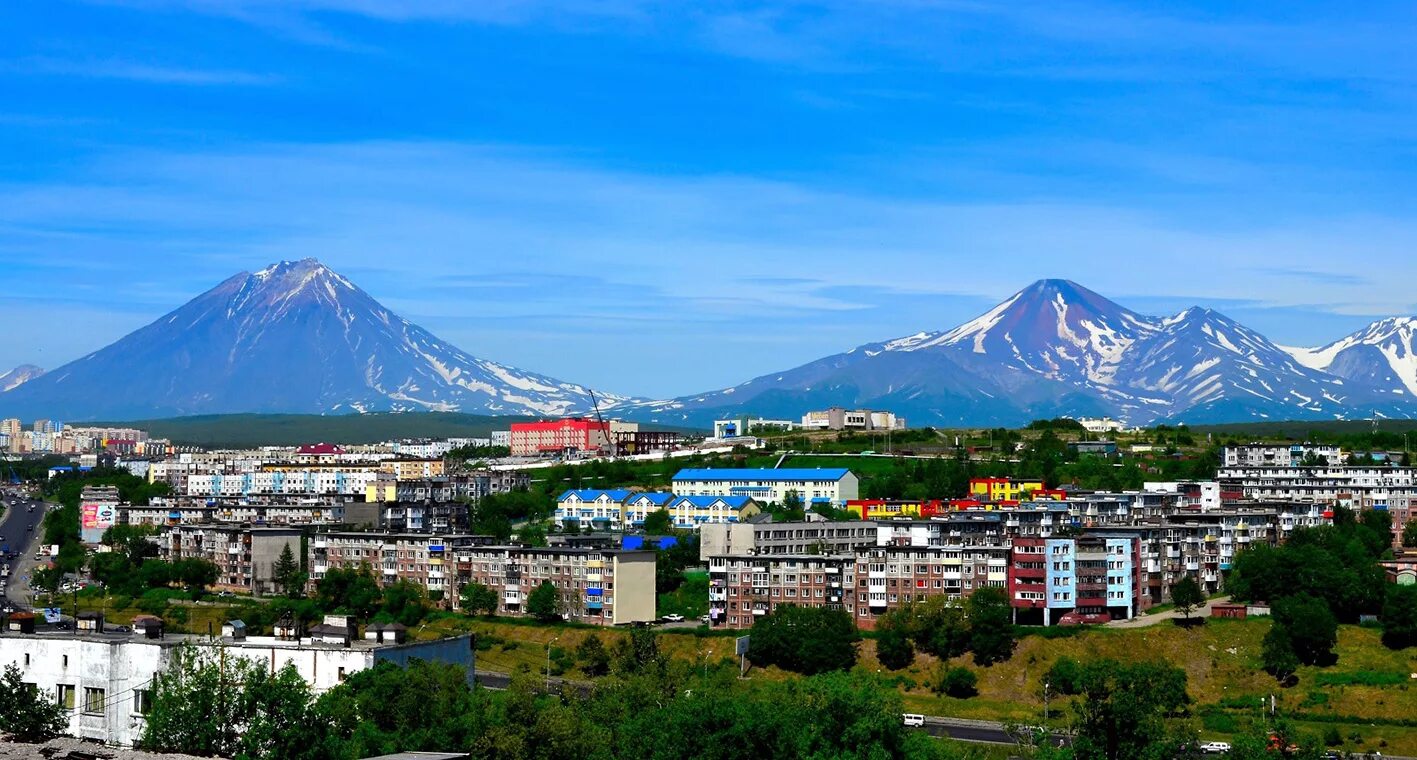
(690,599)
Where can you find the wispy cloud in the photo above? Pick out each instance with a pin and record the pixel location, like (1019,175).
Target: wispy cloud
(140,72)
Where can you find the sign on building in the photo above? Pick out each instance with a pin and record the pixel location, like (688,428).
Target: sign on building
(94,519)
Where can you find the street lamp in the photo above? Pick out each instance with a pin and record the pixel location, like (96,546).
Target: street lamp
(1045,703)
(706,659)
(548,662)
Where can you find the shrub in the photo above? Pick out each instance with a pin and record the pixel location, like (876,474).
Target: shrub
(957,682)
(1332,738)
(1065,677)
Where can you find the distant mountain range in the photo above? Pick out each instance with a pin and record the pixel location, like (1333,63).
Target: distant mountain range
(1056,348)
(299,338)
(295,337)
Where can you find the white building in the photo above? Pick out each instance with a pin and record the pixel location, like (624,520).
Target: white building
(106,678)
(832,485)
(1101,424)
(1280,454)
(744,426)
(1203,495)
(837,418)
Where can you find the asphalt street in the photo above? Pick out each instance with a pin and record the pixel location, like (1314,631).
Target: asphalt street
(19,529)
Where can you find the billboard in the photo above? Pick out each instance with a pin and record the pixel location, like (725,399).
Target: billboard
(94,519)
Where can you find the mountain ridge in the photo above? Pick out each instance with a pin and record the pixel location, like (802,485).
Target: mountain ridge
(295,337)
(1056,348)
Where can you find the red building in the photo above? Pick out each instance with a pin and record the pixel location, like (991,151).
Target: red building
(569,436)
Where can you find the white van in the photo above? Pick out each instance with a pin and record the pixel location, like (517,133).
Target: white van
(912,719)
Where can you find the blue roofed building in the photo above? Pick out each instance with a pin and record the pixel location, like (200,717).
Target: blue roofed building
(692,512)
(602,509)
(639,506)
(826,485)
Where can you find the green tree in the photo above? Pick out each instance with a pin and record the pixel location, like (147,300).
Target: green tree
(1277,653)
(349,590)
(593,657)
(1186,595)
(195,574)
(1409,534)
(426,706)
(478,599)
(211,701)
(544,602)
(893,646)
(804,640)
(1400,617)
(27,713)
(286,573)
(1125,710)
(658,523)
(404,602)
(639,653)
(957,682)
(1312,628)
(991,628)
(1065,676)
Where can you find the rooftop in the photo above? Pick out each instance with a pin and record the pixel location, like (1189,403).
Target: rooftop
(821,473)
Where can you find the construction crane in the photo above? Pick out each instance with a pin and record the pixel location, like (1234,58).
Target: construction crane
(595,406)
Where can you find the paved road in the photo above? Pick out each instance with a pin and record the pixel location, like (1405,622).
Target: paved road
(19,528)
(1145,620)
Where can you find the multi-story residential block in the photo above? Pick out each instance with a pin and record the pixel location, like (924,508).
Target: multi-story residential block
(469,486)
(1281,455)
(887,509)
(602,509)
(104,678)
(594,585)
(890,577)
(412,469)
(758,538)
(420,558)
(639,506)
(245,556)
(813,486)
(177,511)
(694,512)
(566,437)
(1196,494)
(837,418)
(1092,578)
(743,588)
(1009,489)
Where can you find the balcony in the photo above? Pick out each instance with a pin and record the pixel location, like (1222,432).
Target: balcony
(511,598)
(718,596)
(760,611)
(321,542)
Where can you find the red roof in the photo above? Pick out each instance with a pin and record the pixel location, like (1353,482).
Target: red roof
(319,448)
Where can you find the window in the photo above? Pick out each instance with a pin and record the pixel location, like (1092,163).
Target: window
(93,700)
(66,696)
(142,701)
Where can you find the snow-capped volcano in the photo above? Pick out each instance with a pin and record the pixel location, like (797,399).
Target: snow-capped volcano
(19,376)
(1056,348)
(1382,355)
(1055,328)
(294,337)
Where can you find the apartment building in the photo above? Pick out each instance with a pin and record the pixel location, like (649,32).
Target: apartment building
(694,512)
(891,577)
(412,469)
(1281,455)
(179,511)
(1092,578)
(420,558)
(594,585)
(1008,489)
(889,509)
(104,678)
(244,556)
(467,486)
(770,538)
(1354,487)
(602,508)
(743,588)
(834,486)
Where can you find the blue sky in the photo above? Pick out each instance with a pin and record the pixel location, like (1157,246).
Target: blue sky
(664,198)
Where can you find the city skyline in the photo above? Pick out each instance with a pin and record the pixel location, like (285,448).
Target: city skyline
(731,192)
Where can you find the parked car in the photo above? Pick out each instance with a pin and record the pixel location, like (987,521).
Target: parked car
(673,618)
(912,719)
(1215,748)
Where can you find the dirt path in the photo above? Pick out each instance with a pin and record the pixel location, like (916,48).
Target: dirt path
(1143,621)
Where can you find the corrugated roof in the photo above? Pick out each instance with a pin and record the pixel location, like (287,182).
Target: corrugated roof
(591,494)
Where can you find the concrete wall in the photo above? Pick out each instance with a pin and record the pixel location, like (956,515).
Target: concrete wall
(635,599)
